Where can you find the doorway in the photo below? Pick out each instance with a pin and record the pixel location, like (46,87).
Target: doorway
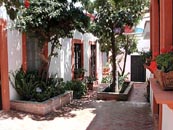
(93,61)
(138,72)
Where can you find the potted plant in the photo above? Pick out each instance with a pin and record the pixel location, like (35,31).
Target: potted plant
(164,72)
(90,81)
(79,73)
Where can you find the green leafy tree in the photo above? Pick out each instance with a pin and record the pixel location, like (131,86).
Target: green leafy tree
(111,18)
(49,20)
(127,45)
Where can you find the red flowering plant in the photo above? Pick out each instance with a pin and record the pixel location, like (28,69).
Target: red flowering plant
(149,63)
(165,60)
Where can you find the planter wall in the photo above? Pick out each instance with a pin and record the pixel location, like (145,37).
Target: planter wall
(42,108)
(115,96)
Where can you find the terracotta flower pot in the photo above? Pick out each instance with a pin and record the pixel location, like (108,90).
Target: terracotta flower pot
(90,86)
(164,79)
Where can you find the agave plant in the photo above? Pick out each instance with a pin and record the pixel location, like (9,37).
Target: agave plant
(30,86)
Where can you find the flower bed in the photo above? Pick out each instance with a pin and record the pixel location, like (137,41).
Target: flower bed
(42,108)
(115,96)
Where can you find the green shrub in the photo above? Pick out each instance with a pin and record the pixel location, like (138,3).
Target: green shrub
(106,79)
(78,87)
(31,87)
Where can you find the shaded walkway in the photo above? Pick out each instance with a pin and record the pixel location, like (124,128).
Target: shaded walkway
(113,115)
(134,114)
(87,114)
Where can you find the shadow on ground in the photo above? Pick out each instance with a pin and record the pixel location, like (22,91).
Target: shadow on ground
(65,111)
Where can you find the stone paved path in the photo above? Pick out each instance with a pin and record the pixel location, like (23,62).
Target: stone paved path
(87,114)
(113,115)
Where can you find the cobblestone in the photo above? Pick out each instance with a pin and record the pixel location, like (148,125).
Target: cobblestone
(87,114)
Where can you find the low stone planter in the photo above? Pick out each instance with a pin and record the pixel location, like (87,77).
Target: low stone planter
(115,96)
(42,108)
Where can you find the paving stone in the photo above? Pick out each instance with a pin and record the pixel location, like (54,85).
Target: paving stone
(112,115)
(87,114)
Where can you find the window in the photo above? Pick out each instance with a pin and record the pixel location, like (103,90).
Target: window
(33,51)
(78,56)
(77,59)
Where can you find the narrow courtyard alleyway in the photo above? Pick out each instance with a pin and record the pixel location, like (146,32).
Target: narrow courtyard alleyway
(88,114)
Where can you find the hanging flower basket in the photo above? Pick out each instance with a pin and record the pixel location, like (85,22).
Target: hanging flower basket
(164,79)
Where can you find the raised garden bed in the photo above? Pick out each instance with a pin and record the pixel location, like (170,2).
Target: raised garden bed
(42,108)
(121,96)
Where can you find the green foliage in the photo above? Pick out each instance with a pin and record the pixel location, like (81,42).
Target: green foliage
(146,57)
(111,18)
(165,62)
(122,79)
(79,73)
(31,87)
(79,88)
(107,79)
(80,70)
(50,20)
(115,14)
(124,86)
(90,79)
(127,43)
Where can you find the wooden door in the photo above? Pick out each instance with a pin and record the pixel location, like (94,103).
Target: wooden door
(138,73)
(93,61)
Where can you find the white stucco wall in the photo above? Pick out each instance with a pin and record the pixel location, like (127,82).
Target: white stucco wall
(14,43)
(3,13)
(14,40)
(151,98)
(167,118)
(62,66)
(87,51)
(141,45)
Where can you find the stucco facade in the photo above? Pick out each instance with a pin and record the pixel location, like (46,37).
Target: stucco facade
(13,56)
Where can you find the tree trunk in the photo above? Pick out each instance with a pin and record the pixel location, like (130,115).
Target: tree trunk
(113,63)
(125,57)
